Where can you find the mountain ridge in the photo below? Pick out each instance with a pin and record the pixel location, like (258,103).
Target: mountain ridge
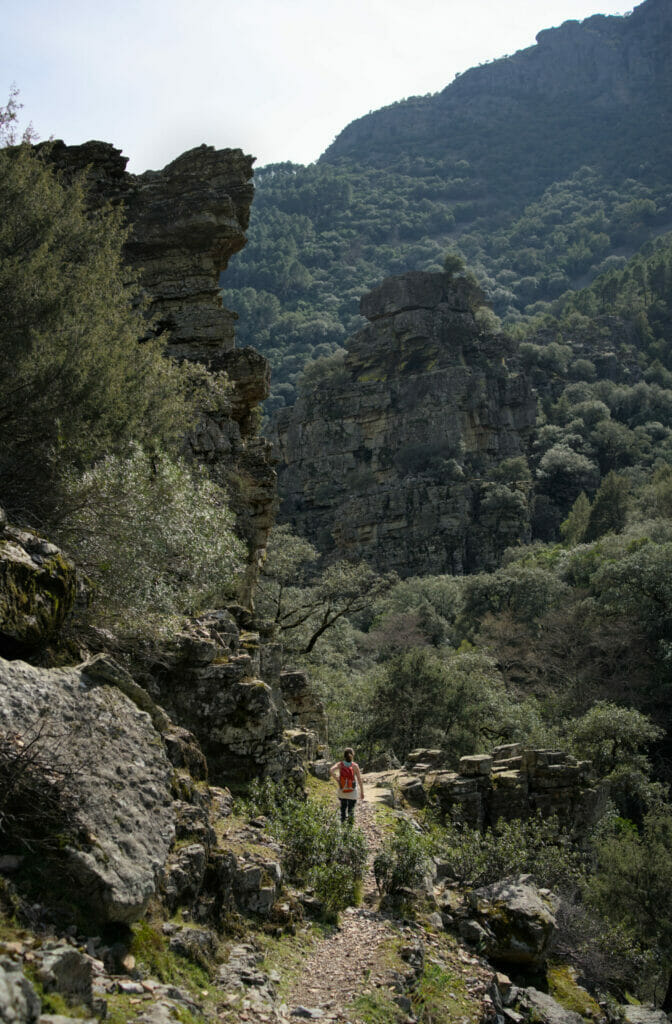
(604,58)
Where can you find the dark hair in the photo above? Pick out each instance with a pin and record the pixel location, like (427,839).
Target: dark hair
(349,754)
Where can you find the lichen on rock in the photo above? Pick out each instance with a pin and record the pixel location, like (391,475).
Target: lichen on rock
(100,751)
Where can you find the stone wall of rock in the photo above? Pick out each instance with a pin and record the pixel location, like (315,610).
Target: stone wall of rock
(514,782)
(186,221)
(391,459)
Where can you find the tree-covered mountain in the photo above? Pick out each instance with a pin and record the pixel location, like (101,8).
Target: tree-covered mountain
(543,169)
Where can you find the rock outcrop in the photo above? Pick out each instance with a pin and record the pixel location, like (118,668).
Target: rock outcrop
(512,783)
(222,680)
(391,459)
(513,922)
(516,783)
(186,221)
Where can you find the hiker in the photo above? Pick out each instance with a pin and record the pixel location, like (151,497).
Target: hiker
(349,779)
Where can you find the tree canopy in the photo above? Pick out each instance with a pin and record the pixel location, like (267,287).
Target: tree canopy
(76,383)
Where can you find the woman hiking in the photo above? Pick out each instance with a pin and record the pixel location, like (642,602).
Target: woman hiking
(350,785)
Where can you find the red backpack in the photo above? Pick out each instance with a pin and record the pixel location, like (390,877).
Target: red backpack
(346,779)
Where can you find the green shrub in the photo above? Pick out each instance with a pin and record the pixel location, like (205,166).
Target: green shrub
(403,861)
(154,534)
(539,847)
(316,849)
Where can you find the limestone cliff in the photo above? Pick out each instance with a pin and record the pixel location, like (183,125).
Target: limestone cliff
(391,459)
(186,221)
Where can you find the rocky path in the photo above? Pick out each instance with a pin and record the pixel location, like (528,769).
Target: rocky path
(348,962)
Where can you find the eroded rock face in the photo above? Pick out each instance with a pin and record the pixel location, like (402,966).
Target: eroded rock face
(38,587)
(392,460)
(186,221)
(94,742)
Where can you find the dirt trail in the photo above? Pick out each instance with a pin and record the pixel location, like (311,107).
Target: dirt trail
(362,957)
(347,963)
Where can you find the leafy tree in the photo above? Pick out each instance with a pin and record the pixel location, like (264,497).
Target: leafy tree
(453,263)
(290,560)
(640,584)
(76,384)
(527,591)
(573,529)
(422,699)
(154,535)
(9,122)
(632,886)
(615,739)
(609,508)
(305,604)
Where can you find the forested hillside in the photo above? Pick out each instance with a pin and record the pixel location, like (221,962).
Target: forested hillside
(543,170)
(508,692)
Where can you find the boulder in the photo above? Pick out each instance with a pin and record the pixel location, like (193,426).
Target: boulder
(67,971)
(516,919)
(196,944)
(19,1002)
(184,874)
(644,1015)
(412,790)
(103,766)
(546,1009)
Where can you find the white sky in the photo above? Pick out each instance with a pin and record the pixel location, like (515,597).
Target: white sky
(277,78)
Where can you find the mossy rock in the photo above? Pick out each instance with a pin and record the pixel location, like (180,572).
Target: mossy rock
(38,587)
(565,989)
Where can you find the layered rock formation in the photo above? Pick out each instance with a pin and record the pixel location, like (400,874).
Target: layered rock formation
(515,783)
(392,458)
(223,681)
(186,221)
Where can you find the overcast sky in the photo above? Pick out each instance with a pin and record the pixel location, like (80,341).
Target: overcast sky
(277,78)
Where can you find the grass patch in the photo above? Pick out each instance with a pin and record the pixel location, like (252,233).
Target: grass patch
(153,956)
(376,1008)
(322,791)
(442,998)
